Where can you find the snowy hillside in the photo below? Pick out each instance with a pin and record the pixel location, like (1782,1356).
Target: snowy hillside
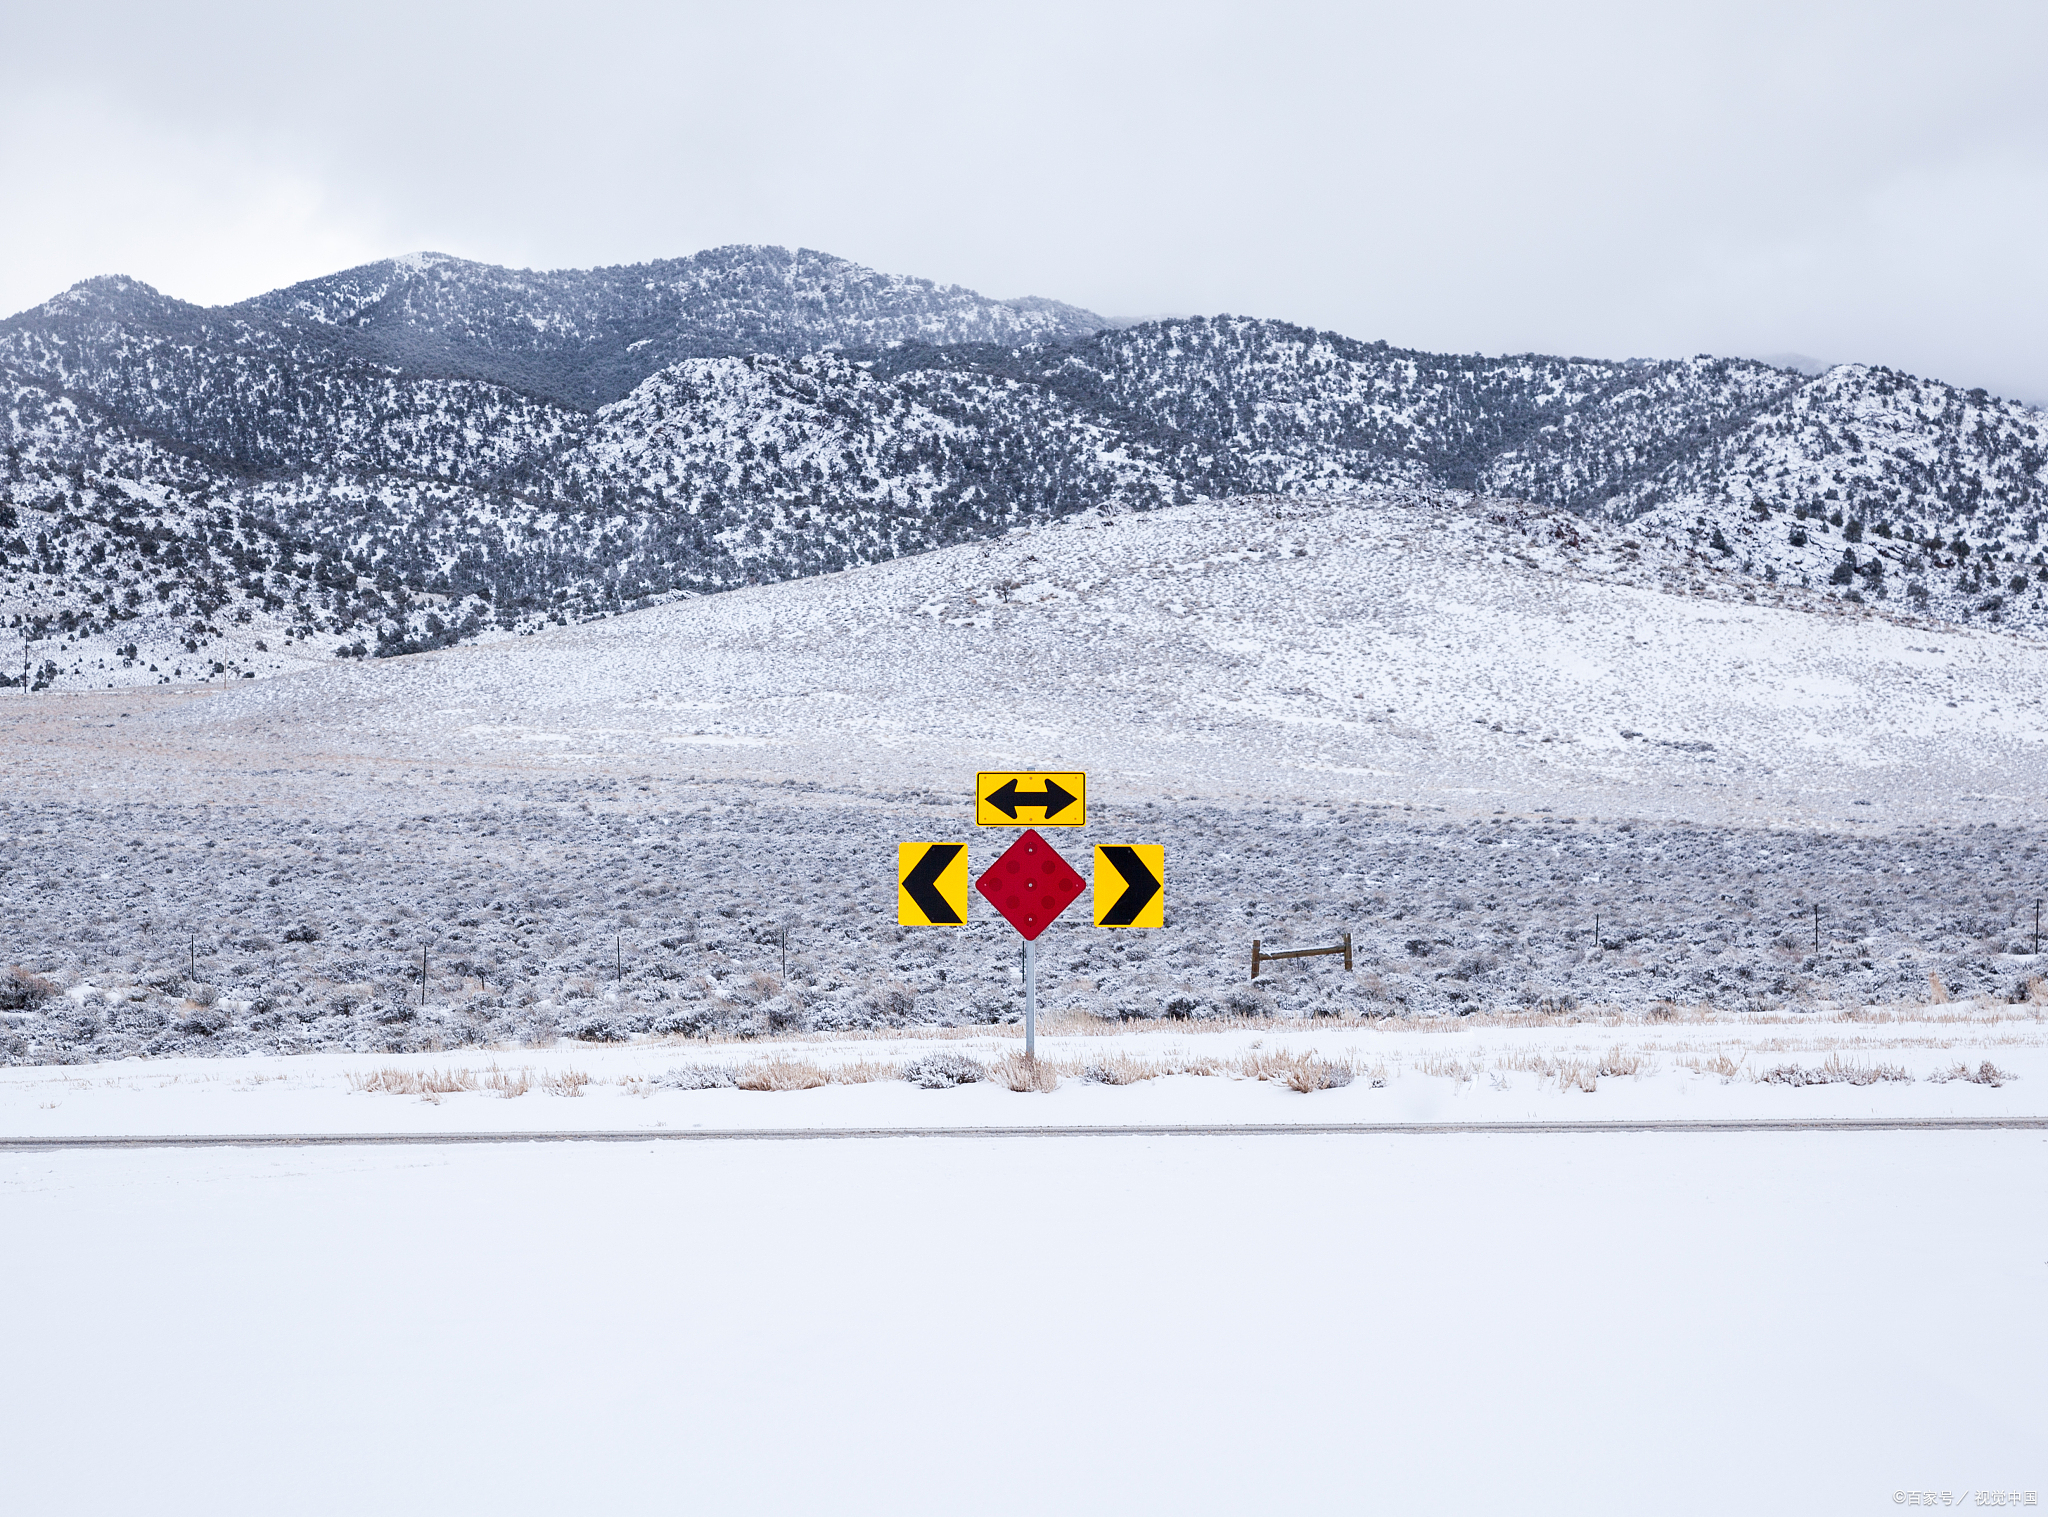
(1402,642)
(1443,726)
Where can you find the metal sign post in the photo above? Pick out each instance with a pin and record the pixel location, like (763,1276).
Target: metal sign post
(1030,998)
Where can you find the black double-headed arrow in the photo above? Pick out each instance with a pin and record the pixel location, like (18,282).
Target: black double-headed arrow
(1140,885)
(1054,798)
(922,884)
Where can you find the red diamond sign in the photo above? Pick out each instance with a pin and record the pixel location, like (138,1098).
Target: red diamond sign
(1030,884)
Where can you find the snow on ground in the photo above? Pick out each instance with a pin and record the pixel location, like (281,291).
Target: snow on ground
(1674,1323)
(1939,1062)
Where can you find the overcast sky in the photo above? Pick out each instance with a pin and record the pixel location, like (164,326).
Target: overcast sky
(1862,181)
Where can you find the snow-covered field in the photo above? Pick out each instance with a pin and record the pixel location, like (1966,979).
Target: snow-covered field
(1578,828)
(1673,1323)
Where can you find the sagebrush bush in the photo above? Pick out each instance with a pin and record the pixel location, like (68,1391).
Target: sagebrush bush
(1021,1074)
(699,1077)
(938,1071)
(23,990)
(202,1021)
(1986,1073)
(604,1027)
(1835,1072)
(692,1022)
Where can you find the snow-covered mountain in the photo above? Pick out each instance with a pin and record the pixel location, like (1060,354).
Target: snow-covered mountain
(426,450)
(583,337)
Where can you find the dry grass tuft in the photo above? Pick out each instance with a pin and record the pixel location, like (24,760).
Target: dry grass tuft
(1615,1064)
(1119,1069)
(1311,1075)
(1715,1064)
(569,1082)
(781,1074)
(407,1082)
(1304,1072)
(1570,1074)
(507,1086)
(432,1084)
(1446,1066)
(1015,1072)
(863,1072)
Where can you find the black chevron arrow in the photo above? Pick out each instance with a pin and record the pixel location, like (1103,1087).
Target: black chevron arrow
(1140,885)
(1054,798)
(923,884)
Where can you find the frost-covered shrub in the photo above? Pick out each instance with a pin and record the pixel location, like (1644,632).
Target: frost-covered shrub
(201,1021)
(302,932)
(200,994)
(1247,1003)
(987,1009)
(21,990)
(138,1017)
(690,1022)
(783,1014)
(891,1002)
(80,1027)
(1834,1072)
(699,1077)
(938,1071)
(1986,1073)
(603,1027)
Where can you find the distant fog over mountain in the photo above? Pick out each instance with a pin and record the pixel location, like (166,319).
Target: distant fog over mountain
(426,449)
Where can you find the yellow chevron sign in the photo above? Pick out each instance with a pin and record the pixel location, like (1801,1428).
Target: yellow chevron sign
(1130,885)
(931,884)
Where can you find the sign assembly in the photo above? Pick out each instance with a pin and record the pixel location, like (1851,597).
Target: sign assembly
(931,884)
(1130,885)
(1029,883)
(1010,797)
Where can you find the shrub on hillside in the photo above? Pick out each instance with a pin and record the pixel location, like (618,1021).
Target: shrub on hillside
(23,990)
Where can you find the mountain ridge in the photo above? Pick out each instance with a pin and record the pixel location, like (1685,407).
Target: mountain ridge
(377,442)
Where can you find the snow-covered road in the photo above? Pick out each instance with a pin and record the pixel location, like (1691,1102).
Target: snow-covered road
(1680,1324)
